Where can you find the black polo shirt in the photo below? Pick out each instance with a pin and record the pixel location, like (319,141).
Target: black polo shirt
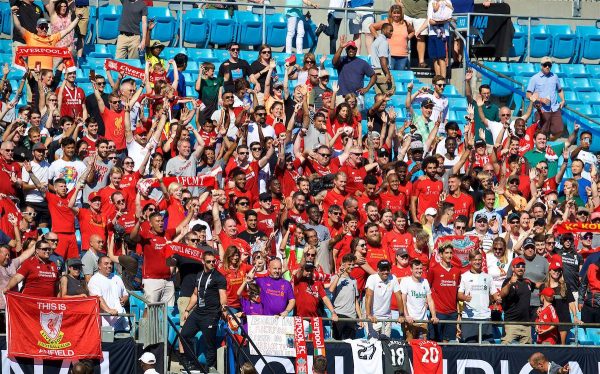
(516,303)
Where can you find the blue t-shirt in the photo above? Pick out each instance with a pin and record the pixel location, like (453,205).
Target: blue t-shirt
(463,6)
(351,74)
(180,86)
(4,239)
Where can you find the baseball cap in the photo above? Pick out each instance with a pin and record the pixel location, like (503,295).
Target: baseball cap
(383,153)
(278,84)
(74,262)
(513,177)
(529,242)
(38,146)
(548,292)
(545,59)
(430,211)
(517,260)
(427,102)
(481,216)
(416,145)
(41,21)
(555,262)
(148,358)
(384,265)
(140,130)
(513,215)
(539,222)
(265,196)
(326,94)
(401,252)
(351,44)
(93,195)
(452,126)
(583,209)
(156,44)
(480,143)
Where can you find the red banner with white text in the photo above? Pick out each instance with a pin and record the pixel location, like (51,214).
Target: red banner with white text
(125,69)
(53,328)
(184,251)
(462,245)
(198,181)
(58,52)
(574,227)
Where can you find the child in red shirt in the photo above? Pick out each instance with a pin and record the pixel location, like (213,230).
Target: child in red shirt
(547,313)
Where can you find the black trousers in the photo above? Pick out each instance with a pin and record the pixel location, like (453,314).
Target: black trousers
(332,30)
(344,329)
(206,323)
(590,314)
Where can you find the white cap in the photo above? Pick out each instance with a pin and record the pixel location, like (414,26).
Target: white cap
(430,212)
(148,358)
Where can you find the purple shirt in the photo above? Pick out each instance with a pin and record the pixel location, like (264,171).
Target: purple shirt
(274,294)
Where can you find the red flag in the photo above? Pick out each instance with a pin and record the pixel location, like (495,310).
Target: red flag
(52,328)
(463,245)
(573,227)
(59,52)
(120,67)
(200,180)
(301,351)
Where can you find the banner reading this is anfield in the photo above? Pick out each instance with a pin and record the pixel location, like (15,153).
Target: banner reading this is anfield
(53,328)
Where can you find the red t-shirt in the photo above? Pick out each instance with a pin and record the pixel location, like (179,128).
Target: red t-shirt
(376,254)
(343,248)
(63,218)
(288,178)
(91,223)
(308,295)
(427,192)
(395,240)
(130,180)
(6,169)
(356,176)
(333,198)
(298,217)
(91,145)
(40,277)
(108,208)
(7,206)
(463,205)
(251,170)
(427,357)
(234,278)
(394,201)
(176,213)
(361,276)
(312,167)
(206,136)
(114,127)
(153,248)
(72,102)
(444,287)
(548,314)
(399,273)
(240,244)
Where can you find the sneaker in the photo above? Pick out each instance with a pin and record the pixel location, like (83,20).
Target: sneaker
(320,29)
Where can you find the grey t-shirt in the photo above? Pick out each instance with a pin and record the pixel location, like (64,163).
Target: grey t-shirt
(536,271)
(90,263)
(314,137)
(323,253)
(379,48)
(344,295)
(133,10)
(182,168)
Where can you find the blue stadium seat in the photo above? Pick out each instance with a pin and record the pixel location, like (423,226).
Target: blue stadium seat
(249,56)
(249,28)
(595,82)
(579,84)
(222,27)
(540,42)
(571,97)
(108,22)
(91,35)
(5,18)
(573,71)
(221,54)
(6,45)
(403,76)
(201,55)
(192,67)
(500,67)
(450,91)
(522,69)
(166,24)
(459,103)
(276,30)
(564,41)
(400,89)
(590,98)
(519,42)
(582,108)
(169,53)
(589,45)
(196,28)
(593,70)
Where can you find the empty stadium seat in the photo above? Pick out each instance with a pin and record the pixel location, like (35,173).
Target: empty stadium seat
(523,69)
(222,27)
(276,30)
(451,91)
(571,97)
(593,70)
(201,55)
(249,28)
(108,22)
(590,98)
(573,71)
(403,76)
(540,42)
(564,41)
(589,42)
(165,28)
(5,18)
(459,103)
(578,84)
(169,53)
(196,28)
(519,42)
(582,109)
(249,56)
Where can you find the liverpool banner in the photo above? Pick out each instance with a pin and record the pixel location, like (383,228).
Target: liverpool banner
(53,328)
(574,227)
(463,245)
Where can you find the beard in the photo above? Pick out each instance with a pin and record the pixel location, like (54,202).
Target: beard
(374,242)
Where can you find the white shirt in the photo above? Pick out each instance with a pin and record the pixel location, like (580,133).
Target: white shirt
(440,108)
(198,221)
(479,286)
(382,293)
(588,159)
(41,171)
(137,153)
(69,170)
(416,297)
(267,130)
(111,289)
(232,129)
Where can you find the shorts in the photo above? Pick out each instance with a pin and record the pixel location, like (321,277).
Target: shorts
(82,25)
(182,303)
(159,290)
(417,22)
(361,23)
(436,48)
(67,246)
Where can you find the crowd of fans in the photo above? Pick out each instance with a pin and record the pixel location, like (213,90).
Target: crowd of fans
(310,210)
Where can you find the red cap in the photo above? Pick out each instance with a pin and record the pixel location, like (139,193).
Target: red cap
(549,292)
(327,94)
(517,260)
(93,195)
(351,44)
(555,262)
(140,130)
(291,60)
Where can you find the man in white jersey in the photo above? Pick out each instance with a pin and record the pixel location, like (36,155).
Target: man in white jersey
(416,298)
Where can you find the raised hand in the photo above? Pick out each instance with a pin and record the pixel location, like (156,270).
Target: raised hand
(469,75)
(342,38)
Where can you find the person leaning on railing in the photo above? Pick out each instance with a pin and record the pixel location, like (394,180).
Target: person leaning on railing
(515,293)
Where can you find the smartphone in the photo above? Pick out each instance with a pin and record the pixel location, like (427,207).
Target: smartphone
(38,66)
(92,74)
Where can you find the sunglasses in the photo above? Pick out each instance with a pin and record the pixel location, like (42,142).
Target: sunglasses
(547,64)
(101,83)
(543,168)
(335,213)
(243,203)
(128,163)
(262,114)
(481,221)
(325,154)
(255,149)
(519,265)
(228,97)
(309,61)
(194,240)
(33,214)
(242,153)
(210,261)
(459,227)
(441,84)
(310,255)
(234,49)
(514,222)
(588,237)
(325,78)
(266,201)
(120,202)
(115,102)
(45,249)
(52,240)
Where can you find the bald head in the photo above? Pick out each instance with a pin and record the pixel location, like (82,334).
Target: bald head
(96,242)
(538,361)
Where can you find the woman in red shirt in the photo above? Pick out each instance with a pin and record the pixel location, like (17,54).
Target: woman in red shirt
(362,269)
(175,208)
(234,271)
(340,118)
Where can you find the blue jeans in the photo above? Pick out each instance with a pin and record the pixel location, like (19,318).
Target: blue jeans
(399,63)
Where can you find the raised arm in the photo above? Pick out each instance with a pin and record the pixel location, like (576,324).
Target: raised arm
(71,26)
